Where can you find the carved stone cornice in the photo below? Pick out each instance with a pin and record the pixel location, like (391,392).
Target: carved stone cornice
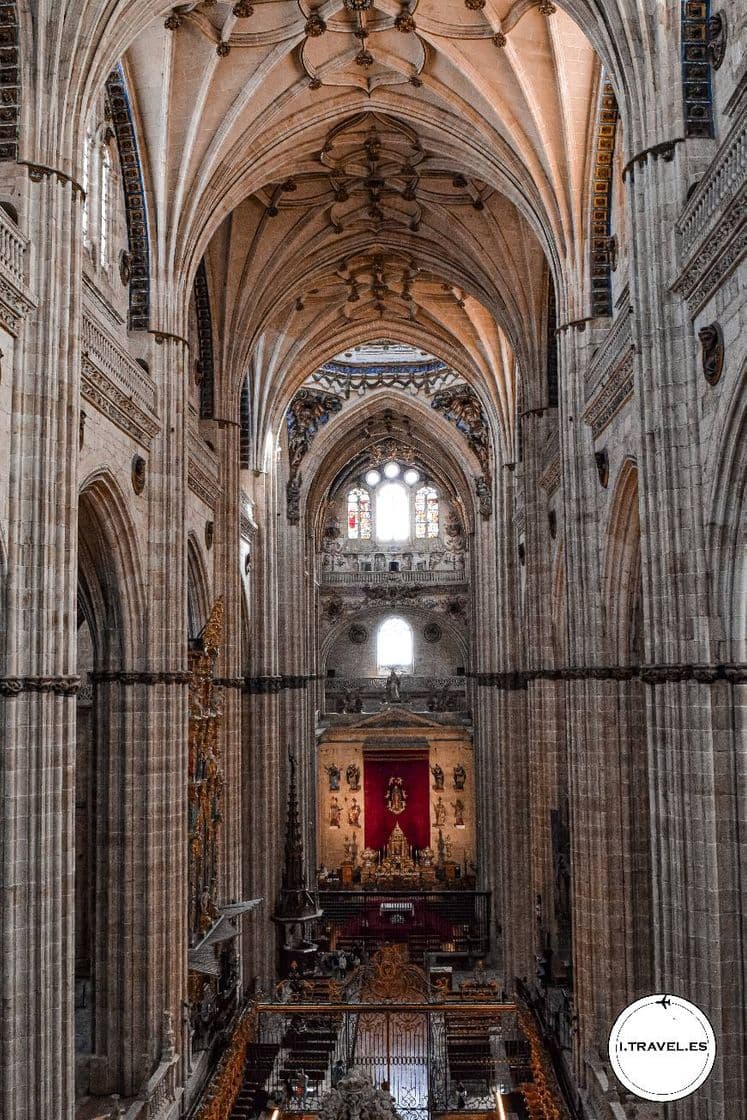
(229,682)
(119,407)
(38,171)
(663,151)
(549,480)
(140,676)
(610,352)
(202,483)
(731,672)
(115,384)
(263,686)
(278,683)
(60,686)
(713,225)
(615,392)
(291,681)
(14,305)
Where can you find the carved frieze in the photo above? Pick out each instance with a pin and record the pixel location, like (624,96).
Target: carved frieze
(202,483)
(111,401)
(613,395)
(713,226)
(309,410)
(549,480)
(461,405)
(60,686)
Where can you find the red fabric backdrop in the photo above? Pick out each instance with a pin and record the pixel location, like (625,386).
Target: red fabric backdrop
(412,768)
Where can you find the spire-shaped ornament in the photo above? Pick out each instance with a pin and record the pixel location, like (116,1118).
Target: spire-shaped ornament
(297,906)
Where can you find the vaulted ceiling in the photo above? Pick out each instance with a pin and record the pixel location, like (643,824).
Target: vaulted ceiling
(354,168)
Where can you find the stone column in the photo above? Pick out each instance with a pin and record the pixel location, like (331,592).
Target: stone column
(696,939)
(227,581)
(159,826)
(596,791)
(37,692)
(265,753)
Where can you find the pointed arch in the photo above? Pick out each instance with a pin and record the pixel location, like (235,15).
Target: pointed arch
(110,570)
(622,567)
(727,529)
(198,588)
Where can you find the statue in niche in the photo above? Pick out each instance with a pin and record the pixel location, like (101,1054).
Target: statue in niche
(353,775)
(335,811)
(392,688)
(354,814)
(438,777)
(458,807)
(396,798)
(334,773)
(347,851)
(460,776)
(439,813)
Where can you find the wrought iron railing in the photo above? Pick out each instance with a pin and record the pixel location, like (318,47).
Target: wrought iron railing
(428,1055)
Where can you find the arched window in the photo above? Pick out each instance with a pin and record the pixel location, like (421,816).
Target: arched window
(426,512)
(359,514)
(394,648)
(104,206)
(392,512)
(85,217)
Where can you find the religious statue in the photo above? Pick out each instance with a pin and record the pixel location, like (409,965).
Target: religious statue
(335,811)
(438,777)
(353,775)
(396,798)
(458,807)
(347,856)
(392,688)
(439,813)
(334,776)
(354,814)
(460,776)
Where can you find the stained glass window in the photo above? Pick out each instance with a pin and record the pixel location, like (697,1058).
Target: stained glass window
(426,512)
(392,512)
(359,514)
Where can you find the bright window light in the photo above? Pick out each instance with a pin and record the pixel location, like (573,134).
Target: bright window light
(373,478)
(392,512)
(391,470)
(411,477)
(394,646)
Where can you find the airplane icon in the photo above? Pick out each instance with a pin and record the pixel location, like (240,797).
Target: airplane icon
(665,1001)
